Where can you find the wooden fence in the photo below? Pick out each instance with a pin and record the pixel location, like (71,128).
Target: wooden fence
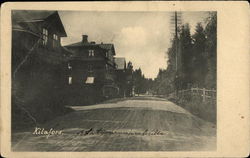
(204,93)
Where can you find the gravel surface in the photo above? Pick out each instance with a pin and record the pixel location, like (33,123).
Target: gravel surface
(134,124)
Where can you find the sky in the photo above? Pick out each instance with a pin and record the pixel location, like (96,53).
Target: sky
(141,37)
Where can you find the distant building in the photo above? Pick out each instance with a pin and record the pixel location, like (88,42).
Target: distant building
(92,70)
(124,77)
(121,63)
(121,75)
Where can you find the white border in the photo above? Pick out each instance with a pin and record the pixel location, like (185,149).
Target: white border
(232,79)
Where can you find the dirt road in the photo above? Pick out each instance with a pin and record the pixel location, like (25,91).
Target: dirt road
(135,124)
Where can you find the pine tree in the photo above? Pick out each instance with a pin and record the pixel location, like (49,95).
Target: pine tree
(185,57)
(199,60)
(211,46)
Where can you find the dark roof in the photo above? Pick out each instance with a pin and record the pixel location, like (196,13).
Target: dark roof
(28,15)
(79,44)
(106,46)
(121,63)
(67,51)
(31,17)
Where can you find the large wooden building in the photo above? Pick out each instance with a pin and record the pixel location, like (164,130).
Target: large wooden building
(39,62)
(92,71)
(43,71)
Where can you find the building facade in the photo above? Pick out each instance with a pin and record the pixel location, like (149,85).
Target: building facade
(43,71)
(39,62)
(92,69)
(124,77)
(121,75)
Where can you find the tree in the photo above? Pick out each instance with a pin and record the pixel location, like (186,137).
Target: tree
(137,77)
(185,57)
(165,83)
(199,61)
(129,66)
(142,84)
(211,53)
(196,59)
(129,79)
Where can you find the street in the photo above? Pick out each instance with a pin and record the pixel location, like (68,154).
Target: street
(142,123)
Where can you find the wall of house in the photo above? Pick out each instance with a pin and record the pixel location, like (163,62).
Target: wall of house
(81,63)
(80,71)
(102,71)
(38,84)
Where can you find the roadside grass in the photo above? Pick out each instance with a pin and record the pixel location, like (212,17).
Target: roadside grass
(32,114)
(194,104)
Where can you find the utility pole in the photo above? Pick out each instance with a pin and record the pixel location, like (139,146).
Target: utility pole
(176,51)
(176,21)
(176,40)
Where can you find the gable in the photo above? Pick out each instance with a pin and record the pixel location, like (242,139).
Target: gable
(54,21)
(108,47)
(31,19)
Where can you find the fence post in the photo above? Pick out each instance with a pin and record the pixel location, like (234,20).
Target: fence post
(204,95)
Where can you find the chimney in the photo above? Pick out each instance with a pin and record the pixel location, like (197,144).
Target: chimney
(84,38)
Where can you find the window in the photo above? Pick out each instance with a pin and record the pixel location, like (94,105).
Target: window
(55,40)
(55,37)
(90,80)
(109,54)
(45,36)
(91,53)
(70,80)
(106,54)
(90,68)
(69,66)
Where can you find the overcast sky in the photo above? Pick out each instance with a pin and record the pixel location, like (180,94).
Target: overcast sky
(140,37)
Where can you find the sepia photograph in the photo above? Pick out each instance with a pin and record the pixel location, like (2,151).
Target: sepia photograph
(113,80)
(124,79)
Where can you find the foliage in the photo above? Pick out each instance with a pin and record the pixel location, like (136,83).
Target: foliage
(138,81)
(142,85)
(199,61)
(185,50)
(211,46)
(196,59)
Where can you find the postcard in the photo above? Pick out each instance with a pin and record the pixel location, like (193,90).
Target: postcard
(125,79)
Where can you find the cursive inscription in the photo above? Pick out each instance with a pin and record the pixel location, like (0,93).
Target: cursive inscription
(47,133)
(100,131)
